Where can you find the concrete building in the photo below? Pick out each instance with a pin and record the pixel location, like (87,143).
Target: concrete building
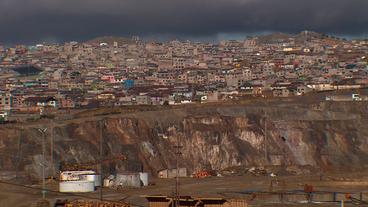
(143,100)
(6,102)
(171,173)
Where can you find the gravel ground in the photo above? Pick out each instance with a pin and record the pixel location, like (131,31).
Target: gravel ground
(230,187)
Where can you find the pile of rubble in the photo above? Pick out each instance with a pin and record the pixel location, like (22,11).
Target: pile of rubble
(268,171)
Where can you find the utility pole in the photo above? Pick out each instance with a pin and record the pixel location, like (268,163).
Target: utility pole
(101,158)
(19,154)
(265,138)
(43,132)
(324,153)
(177,181)
(52,149)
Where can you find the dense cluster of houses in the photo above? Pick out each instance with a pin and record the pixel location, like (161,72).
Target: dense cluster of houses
(135,72)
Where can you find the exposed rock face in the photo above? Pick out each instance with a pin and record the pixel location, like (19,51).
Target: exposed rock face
(331,136)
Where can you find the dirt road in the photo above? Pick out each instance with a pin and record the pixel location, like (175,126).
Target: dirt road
(229,187)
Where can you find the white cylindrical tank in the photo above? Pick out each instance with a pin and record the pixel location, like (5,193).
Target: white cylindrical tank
(98,180)
(91,177)
(107,182)
(144,178)
(128,180)
(76,186)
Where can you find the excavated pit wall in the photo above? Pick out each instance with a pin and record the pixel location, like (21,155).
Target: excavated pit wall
(328,135)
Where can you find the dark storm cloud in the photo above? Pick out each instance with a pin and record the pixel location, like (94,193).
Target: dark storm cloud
(59,20)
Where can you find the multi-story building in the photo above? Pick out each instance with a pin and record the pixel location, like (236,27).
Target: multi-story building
(5,102)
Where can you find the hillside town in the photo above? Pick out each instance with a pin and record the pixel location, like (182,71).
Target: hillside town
(117,71)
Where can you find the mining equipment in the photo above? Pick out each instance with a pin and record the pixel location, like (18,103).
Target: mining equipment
(201,174)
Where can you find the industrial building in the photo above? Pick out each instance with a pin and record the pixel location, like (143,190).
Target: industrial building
(132,180)
(171,173)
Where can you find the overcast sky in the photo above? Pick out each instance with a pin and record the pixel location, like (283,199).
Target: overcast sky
(31,21)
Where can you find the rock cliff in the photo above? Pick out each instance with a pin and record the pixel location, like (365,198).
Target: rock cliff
(327,135)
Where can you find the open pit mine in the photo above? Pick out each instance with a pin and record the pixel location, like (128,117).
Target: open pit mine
(297,138)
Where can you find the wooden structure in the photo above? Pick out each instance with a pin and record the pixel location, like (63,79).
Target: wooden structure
(83,203)
(188,201)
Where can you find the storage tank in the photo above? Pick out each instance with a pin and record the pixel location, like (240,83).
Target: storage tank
(76,175)
(76,186)
(98,180)
(128,180)
(108,182)
(144,178)
(93,178)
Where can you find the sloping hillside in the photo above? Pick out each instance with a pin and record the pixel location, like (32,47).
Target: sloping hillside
(327,135)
